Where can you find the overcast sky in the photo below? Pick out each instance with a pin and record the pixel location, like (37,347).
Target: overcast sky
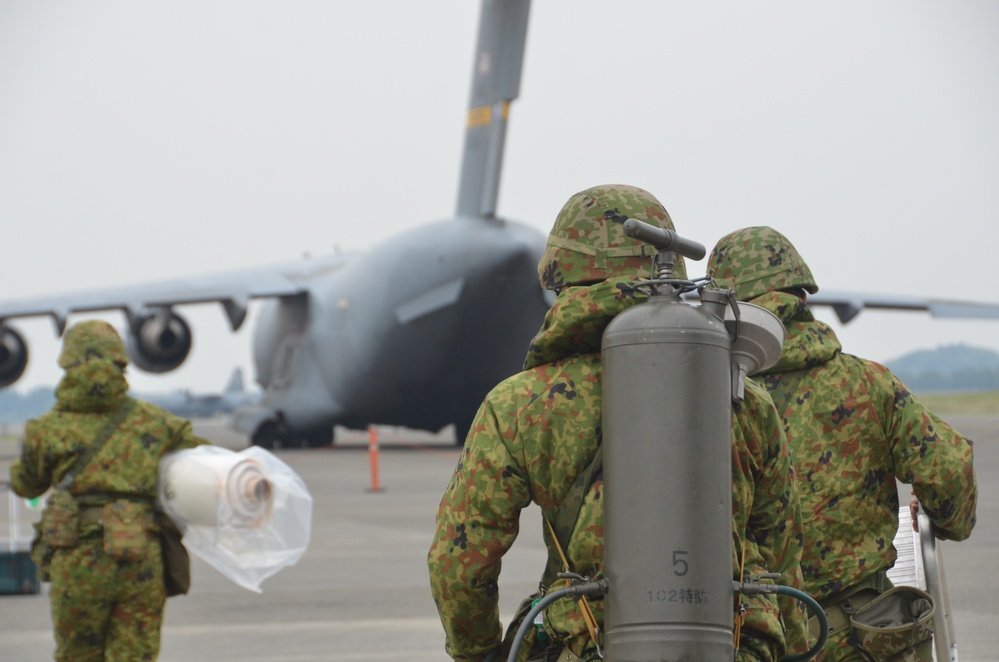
(143,141)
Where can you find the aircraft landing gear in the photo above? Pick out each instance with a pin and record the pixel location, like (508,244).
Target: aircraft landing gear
(273,434)
(267,436)
(461,429)
(318,439)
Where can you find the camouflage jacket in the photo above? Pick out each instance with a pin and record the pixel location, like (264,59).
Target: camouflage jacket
(853,428)
(537,431)
(127,464)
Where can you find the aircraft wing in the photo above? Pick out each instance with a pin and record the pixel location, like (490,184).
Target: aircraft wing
(231,289)
(847,305)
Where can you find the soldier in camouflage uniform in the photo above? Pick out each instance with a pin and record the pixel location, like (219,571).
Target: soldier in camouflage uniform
(853,428)
(103,608)
(538,430)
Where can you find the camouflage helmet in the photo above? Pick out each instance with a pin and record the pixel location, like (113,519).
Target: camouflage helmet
(754,261)
(89,340)
(587,244)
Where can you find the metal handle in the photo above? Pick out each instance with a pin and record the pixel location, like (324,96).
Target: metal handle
(664,240)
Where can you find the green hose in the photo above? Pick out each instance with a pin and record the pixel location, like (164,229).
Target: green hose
(819,613)
(598,588)
(591,588)
(528,621)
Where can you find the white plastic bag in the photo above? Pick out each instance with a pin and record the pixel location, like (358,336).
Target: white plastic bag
(247,514)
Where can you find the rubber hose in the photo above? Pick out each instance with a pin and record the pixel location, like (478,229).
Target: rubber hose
(528,621)
(815,607)
(819,613)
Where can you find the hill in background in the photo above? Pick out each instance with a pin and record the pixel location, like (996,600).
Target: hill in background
(948,369)
(18,407)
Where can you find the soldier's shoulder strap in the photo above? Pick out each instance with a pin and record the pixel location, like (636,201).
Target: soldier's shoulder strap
(564,522)
(98,443)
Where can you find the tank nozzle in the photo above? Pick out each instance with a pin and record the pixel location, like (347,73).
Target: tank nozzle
(664,240)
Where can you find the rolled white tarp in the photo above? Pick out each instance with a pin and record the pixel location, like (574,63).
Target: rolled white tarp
(247,514)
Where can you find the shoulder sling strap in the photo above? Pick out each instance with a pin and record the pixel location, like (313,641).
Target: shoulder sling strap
(565,520)
(84,458)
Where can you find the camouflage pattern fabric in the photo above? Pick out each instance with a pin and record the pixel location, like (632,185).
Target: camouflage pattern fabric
(91,340)
(757,260)
(534,434)
(897,626)
(844,647)
(102,609)
(854,428)
(587,243)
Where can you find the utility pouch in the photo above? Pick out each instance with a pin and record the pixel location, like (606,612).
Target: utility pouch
(176,560)
(530,639)
(537,646)
(126,529)
(41,554)
(61,520)
(897,625)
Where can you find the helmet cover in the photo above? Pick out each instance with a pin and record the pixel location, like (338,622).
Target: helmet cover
(587,244)
(756,260)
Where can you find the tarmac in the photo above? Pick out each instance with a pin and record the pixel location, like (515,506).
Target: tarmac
(361,590)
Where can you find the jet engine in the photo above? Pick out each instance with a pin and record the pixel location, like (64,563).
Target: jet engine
(13,356)
(159,342)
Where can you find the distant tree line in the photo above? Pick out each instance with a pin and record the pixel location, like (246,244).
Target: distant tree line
(948,368)
(966,379)
(18,407)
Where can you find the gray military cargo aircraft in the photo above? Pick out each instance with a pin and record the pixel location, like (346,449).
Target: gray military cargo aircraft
(411,333)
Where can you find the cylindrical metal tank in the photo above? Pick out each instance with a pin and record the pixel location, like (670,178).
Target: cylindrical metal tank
(668,484)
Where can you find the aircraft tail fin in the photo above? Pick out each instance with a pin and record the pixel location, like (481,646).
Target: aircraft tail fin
(499,60)
(235,383)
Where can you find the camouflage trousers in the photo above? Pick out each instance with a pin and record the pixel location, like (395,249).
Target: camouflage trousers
(565,655)
(104,609)
(839,649)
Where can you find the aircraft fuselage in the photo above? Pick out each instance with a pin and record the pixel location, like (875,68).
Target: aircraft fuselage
(413,333)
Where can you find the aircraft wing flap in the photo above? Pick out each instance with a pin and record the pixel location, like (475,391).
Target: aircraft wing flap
(848,305)
(964,310)
(232,289)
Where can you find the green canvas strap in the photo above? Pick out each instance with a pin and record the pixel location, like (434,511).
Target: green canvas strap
(564,522)
(84,459)
(562,525)
(879,581)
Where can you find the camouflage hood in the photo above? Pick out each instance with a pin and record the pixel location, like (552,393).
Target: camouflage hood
(807,341)
(95,385)
(576,323)
(93,356)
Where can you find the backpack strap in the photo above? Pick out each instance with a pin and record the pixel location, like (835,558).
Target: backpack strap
(564,522)
(105,433)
